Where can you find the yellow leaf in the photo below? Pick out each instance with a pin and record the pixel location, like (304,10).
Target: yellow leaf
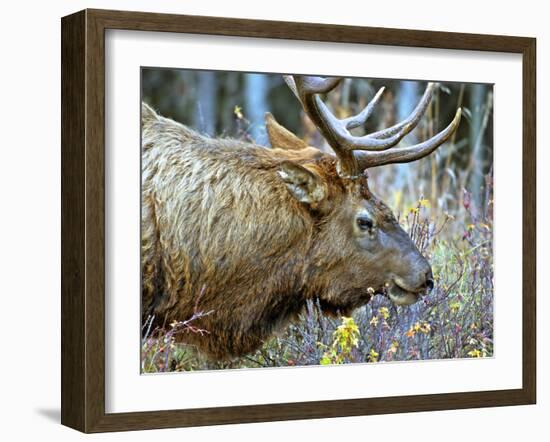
(475,353)
(373,355)
(425,328)
(238,111)
(394,346)
(424,203)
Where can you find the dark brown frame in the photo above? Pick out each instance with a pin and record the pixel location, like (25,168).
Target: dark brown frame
(83,216)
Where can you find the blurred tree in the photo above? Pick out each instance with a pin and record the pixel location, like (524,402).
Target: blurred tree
(480,107)
(256,90)
(205,117)
(406,99)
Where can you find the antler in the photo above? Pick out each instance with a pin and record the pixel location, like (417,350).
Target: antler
(354,153)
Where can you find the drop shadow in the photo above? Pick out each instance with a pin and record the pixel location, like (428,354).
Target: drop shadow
(51,414)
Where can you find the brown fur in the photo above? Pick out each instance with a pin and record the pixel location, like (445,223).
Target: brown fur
(218,218)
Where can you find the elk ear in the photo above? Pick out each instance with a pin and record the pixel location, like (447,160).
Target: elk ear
(304,185)
(280,137)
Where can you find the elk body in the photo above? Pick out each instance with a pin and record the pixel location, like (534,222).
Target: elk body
(256,232)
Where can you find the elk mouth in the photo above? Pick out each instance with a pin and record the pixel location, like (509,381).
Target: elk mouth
(400,294)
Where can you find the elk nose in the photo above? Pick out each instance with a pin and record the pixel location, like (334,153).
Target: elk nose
(429,282)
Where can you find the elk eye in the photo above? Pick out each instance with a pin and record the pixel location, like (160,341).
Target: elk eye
(365,223)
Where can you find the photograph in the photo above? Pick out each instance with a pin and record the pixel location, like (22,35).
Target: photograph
(302,220)
(244,221)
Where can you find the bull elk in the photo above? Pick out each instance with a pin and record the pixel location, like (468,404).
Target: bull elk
(259,231)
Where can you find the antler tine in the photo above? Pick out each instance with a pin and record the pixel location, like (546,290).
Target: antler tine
(350,142)
(336,131)
(306,89)
(363,116)
(411,153)
(414,117)
(289,80)
(306,85)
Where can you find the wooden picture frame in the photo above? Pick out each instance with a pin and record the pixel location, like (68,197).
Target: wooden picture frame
(83,220)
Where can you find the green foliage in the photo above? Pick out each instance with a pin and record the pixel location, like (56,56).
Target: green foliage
(345,339)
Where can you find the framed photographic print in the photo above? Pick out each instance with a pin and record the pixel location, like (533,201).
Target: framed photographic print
(266,221)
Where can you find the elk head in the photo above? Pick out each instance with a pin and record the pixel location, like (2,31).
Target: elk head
(356,229)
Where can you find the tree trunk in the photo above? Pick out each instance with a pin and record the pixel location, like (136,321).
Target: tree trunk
(256,89)
(205,114)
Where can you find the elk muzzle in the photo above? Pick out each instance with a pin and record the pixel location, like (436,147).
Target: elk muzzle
(401,293)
